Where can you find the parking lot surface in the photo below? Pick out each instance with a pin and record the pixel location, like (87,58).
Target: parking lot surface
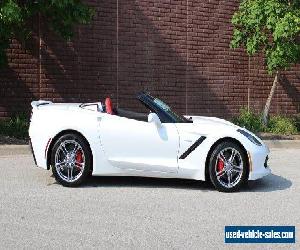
(140,213)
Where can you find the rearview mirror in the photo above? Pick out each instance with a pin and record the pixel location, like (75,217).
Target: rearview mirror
(153,118)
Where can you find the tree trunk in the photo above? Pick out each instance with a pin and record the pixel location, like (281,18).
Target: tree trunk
(265,117)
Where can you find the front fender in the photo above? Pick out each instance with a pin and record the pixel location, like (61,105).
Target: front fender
(195,163)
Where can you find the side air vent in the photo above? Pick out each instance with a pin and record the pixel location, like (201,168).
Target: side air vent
(192,147)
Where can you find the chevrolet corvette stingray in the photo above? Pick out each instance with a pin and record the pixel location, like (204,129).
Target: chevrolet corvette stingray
(79,139)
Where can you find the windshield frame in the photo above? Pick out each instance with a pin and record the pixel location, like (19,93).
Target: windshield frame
(166,115)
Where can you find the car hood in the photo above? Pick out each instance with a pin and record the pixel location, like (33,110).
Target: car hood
(212,121)
(206,125)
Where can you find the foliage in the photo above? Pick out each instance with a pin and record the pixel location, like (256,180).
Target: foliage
(249,120)
(277,124)
(297,120)
(270,26)
(60,15)
(282,125)
(17,126)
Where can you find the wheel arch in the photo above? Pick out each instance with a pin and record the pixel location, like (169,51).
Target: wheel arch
(215,144)
(57,136)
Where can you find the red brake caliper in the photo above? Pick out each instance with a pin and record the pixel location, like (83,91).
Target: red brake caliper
(79,158)
(220,165)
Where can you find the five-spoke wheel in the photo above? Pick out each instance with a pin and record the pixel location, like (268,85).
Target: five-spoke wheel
(70,160)
(228,168)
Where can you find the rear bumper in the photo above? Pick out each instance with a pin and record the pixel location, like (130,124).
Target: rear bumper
(31,149)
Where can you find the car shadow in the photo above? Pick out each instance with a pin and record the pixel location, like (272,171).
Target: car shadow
(269,183)
(146,182)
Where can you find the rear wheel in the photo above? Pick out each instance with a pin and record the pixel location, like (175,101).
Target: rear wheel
(70,160)
(228,168)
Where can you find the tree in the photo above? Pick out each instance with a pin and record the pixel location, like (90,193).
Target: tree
(272,27)
(60,15)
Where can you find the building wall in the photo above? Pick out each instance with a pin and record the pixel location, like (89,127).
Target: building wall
(176,49)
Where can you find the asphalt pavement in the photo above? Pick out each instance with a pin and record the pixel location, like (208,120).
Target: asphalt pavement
(139,213)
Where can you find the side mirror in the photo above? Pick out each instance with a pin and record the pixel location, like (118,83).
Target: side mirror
(153,118)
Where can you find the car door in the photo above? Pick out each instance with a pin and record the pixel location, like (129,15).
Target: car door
(138,145)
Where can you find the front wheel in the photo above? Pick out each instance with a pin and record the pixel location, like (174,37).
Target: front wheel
(70,160)
(228,168)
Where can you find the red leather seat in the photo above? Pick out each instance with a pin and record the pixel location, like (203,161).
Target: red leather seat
(109,106)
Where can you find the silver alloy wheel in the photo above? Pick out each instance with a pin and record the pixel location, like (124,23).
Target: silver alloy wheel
(229,171)
(68,165)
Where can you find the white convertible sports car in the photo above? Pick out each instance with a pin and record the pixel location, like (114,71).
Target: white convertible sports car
(79,139)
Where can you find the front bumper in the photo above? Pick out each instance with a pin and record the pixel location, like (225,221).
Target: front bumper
(257,161)
(257,174)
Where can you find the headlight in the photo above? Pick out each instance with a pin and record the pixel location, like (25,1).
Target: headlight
(250,137)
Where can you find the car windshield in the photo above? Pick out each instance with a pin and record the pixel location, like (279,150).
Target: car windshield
(164,112)
(169,111)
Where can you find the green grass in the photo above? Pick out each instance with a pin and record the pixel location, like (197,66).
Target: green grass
(17,126)
(277,124)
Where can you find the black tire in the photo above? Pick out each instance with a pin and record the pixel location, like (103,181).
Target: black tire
(86,154)
(220,181)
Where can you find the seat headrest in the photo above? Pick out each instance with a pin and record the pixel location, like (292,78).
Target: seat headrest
(109,106)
